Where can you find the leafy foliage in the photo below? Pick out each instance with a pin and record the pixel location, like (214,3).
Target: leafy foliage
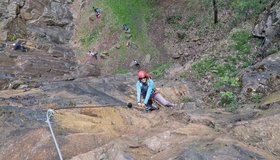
(231,81)
(241,40)
(256,98)
(228,100)
(248,8)
(160,69)
(13,37)
(203,66)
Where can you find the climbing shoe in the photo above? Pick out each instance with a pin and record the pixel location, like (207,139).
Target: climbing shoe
(149,108)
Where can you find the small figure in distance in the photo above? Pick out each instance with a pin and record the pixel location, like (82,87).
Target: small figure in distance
(126,28)
(134,63)
(97,12)
(18,46)
(92,54)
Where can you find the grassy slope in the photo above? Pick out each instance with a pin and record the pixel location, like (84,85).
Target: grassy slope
(108,30)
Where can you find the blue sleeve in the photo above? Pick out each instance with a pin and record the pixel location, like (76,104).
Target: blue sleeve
(149,91)
(138,89)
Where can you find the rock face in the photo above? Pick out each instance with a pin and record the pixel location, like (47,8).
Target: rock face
(46,22)
(22,67)
(263,78)
(261,133)
(45,27)
(268,27)
(91,120)
(107,129)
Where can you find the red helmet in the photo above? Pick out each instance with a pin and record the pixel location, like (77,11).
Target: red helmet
(141,74)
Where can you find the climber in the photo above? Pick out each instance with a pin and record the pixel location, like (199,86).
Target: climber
(18,46)
(134,63)
(92,54)
(97,12)
(126,28)
(145,87)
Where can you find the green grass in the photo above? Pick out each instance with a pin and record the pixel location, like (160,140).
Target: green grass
(256,98)
(121,71)
(226,80)
(228,101)
(203,66)
(242,41)
(248,8)
(183,75)
(122,54)
(186,99)
(160,69)
(114,13)
(133,13)
(272,50)
(90,32)
(224,73)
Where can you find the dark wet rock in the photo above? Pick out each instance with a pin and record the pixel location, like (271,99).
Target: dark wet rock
(46,24)
(61,52)
(16,27)
(30,144)
(4,84)
(270,99)
(260,132)
(243,115)
(268,27)
(264,77)
(87,70)
(105,131)
(22,115)
(81,89)
(217,151)
(18,120)
(42,66)
(181,116)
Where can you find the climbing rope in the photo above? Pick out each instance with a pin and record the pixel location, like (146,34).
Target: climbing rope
(49,115)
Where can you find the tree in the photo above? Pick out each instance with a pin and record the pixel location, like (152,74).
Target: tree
(215,10)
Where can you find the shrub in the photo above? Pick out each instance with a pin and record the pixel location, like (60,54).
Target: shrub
(228,100)
(159,71)
(204,66)
(231,81)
